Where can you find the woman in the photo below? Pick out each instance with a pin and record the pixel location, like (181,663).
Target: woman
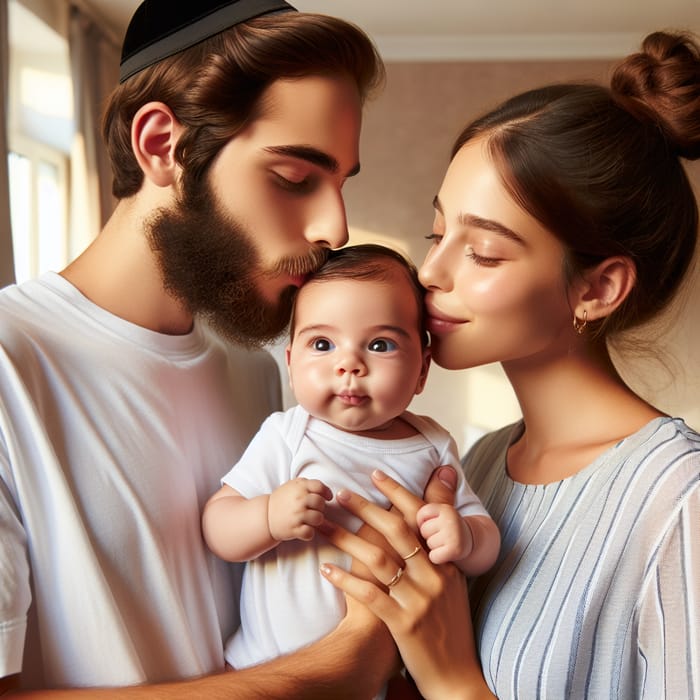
(564,219)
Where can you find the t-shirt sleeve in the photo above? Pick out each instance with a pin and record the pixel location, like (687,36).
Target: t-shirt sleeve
(15,595)
(669,612)
(265,464)
(467,502)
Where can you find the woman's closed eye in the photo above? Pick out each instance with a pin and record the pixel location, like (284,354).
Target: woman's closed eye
(480,259)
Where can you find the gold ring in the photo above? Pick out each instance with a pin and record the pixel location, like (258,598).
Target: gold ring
(396,578)
(413,553)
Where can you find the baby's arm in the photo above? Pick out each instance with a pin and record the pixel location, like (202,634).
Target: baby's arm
(471,542)
(240,529)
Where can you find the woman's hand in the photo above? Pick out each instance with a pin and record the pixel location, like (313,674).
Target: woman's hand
(425,607)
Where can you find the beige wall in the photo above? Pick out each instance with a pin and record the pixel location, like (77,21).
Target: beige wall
(406,141)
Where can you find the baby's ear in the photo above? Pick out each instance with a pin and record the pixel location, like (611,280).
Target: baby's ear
(287,355)
(425,366)
(154,135)
(604,287)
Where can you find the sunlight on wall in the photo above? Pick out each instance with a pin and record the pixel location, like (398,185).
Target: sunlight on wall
(47,93)
(358,236)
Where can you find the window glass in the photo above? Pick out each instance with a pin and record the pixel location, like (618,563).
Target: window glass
(20,172)
(40,118)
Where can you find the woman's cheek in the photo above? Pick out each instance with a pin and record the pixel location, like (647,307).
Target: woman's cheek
(488,292)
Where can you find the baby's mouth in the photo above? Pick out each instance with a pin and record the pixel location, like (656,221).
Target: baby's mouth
(351,398)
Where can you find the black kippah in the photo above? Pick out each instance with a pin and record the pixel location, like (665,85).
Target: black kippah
(161,28)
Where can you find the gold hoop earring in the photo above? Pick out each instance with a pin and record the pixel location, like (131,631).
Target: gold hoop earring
(580,325)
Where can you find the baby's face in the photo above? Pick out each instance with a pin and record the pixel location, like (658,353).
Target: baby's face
(356,359)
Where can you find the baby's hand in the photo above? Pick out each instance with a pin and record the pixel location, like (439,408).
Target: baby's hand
(445,532)
(295,509)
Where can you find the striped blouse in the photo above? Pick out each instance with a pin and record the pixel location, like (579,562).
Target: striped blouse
(596,592)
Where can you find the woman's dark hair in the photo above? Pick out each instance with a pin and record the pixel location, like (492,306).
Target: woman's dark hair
(600,168)
(370,262)
(214,88)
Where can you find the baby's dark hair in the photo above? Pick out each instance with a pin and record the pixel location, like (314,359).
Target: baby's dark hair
(370,262)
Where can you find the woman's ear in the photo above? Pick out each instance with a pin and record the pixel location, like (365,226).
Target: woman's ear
(154,135)
(604,287)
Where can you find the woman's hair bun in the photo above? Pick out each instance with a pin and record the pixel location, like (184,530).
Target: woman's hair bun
(661,85)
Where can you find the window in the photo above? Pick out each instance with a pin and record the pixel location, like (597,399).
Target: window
(39,209)
(40,131)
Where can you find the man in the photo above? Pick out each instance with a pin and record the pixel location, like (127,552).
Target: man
(231,134)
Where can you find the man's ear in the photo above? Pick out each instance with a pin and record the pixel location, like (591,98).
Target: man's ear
(604,287)
(154,135)
(423,377)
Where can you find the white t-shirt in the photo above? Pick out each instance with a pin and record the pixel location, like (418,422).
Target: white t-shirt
(285,602)
(112,437)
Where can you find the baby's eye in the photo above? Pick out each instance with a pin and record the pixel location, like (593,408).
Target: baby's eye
(382,345)
(322,344)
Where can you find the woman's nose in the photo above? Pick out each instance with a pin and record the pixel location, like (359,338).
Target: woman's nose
(434,273)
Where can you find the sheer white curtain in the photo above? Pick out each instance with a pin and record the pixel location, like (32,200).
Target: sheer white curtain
(94,59)
(7,268)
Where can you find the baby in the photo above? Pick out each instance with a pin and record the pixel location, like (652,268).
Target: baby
(357,355)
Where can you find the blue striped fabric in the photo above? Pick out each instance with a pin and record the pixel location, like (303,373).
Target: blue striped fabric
(596,593)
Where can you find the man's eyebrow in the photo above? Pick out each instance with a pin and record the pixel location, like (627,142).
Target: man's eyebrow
(485,224)
(312,155)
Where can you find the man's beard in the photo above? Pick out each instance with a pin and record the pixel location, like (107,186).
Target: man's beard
(209,263)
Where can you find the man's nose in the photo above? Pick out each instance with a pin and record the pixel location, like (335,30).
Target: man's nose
(327,225)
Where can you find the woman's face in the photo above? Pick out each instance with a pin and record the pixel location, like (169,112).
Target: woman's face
(494,274)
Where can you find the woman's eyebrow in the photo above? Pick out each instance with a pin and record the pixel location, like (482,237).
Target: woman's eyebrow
(490,225)
(479,222)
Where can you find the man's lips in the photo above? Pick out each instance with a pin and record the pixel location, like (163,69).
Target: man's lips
(297,280)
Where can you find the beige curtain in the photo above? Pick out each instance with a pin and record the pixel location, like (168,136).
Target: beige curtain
(95,71)
(7,268)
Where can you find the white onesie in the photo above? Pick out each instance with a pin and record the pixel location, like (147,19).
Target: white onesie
(285,602)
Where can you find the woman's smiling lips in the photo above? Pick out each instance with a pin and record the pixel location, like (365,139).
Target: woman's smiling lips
(438,322)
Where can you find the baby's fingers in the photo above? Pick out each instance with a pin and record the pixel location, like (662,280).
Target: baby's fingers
(318,487)
(315,503)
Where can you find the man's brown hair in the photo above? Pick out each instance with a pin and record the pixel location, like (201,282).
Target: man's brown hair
(214,87)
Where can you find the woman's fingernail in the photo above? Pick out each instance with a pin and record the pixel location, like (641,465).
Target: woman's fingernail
(325,570)
(379,475)
(343,495)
